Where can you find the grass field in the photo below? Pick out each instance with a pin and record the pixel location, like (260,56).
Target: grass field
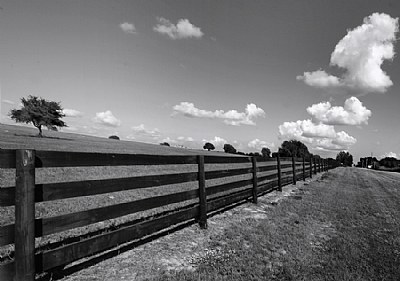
(14,137)
(343,226)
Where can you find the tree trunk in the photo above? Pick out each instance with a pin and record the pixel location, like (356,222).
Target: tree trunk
(40,131)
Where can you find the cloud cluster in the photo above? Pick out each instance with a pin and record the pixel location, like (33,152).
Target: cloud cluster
(319,136)
(71,113)
(107,118)
(361,54)
(320,132)
(353,113)
(231,117)
(259,144)
(128,27)
(182,30)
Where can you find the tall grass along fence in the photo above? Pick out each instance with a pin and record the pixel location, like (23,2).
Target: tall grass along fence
(26,260)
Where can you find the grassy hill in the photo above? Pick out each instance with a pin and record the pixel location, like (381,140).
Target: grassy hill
(21,137)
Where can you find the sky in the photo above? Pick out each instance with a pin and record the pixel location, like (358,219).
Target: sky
(248,73)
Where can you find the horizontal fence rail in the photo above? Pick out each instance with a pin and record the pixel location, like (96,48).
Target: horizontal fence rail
(217,188)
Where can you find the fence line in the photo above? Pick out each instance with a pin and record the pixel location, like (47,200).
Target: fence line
(26,193)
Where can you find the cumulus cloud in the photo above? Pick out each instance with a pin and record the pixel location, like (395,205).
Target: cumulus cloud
(183,29)
(217,141)
(142,130)
(319,78)
(231,117)
(361,54)
(71,113)
(306,129)
(389,154)
(107,118)
(181,138)
(353,113)
(259,144)
(128,27)
(319,136)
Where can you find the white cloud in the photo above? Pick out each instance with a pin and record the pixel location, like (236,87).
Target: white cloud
(142,131)
(318,136)
(259,144)
(319,78)
(218,142)
(183,29)
(128,27)
(305,130)
(353,113)
(107,118)
(231,117)
(389,154)
(181,138)
(361,54)
(71,113)
(8,102)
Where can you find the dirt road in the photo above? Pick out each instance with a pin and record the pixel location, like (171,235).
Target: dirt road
(343,225)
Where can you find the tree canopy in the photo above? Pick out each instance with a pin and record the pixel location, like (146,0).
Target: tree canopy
(39,112)
(294,148)
(228,148)
(209,146)
(345,158)
(114,137)
(266,152)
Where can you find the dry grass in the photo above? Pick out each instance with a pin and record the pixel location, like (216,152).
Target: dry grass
(342,226)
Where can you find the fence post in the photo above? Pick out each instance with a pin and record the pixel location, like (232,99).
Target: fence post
(255,187)
(202,193)
(25,215)
(310,167)
(319,165)
(315,166)
(294,170)
(278,164)
(304,169)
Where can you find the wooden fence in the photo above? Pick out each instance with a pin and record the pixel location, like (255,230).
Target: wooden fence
(26,193)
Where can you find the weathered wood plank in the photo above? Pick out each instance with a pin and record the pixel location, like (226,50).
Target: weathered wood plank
(71,252)
(25,215)
(267,168)
(263,159)
(202,193)
(227,173)
(228,186)
(56,224)
(254,178)
(225,201)
(211,159)
(56,191)
(7,271)
(268,177)
(7,196)
(81,159)
(7,159)
(7,234)
(269,186)
(278,164)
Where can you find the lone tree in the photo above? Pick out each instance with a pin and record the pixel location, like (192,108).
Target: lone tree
(39,112)
(114,137)
(209,146)
(228,148)
(164,144)
(294,148)
(266,152)
(345,158)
